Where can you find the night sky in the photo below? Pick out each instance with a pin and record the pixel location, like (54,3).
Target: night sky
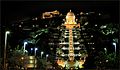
(14,10)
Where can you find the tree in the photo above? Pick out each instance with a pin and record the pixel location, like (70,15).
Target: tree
(17,56)
(41,63)
(104,60)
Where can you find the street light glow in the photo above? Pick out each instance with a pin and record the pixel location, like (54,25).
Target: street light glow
(47,55)
(24,46)
(42,52)
(25,42)
(31,49)
(114,46)
(7,32)
(36,49)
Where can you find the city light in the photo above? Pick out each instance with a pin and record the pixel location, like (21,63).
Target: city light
(114,46)
(42,53)
(106,60)
(36,50)
(64,48)
(31,49)
(103,26)
(86,13)
(68,44)
(95,24)
(22,58)
(31,57)
(78,48)
(91,35)
(25,46)
(99,14)
(47,55)
(6,33)
(86,23)
(76,43)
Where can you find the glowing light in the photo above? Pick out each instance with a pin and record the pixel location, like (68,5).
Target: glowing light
(86,13)
(20,26)
(63,55)
(36,49)
(95,24)
(22,58)
(76,43)
(31,61)
(61,63)
(31,66)
(93,48)
(114,46)
(81,13)
(42,52)
(103,27)
(64,43)
(25,42)
(86,23)
(99,14)
(64,48)
(105,49)
(7,32)
(31,57)
(31,49)
(91,35)
(114,43)
(81,63)
(36,18)
(47,55)
(78,48)
(25,46)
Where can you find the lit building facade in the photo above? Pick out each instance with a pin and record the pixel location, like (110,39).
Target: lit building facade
(71,54)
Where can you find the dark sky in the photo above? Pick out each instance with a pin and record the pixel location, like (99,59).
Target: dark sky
(12,10)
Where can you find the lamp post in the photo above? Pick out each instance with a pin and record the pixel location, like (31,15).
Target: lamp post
(6,33)
(42,54)
(31,50)
(105,50)
(24,46)
(115,47)
(36,50)
(46,56)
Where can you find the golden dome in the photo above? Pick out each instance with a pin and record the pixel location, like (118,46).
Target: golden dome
(70,13)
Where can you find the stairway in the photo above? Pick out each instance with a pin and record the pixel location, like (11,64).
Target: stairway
(71,48)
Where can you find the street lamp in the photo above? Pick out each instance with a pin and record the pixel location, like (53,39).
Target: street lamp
(42,54)
(31,50)
(36,50)
(24,46)
(6,33)
(114,46)
(46,56)
(105,50)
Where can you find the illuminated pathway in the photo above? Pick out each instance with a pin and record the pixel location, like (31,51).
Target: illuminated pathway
(71,48)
